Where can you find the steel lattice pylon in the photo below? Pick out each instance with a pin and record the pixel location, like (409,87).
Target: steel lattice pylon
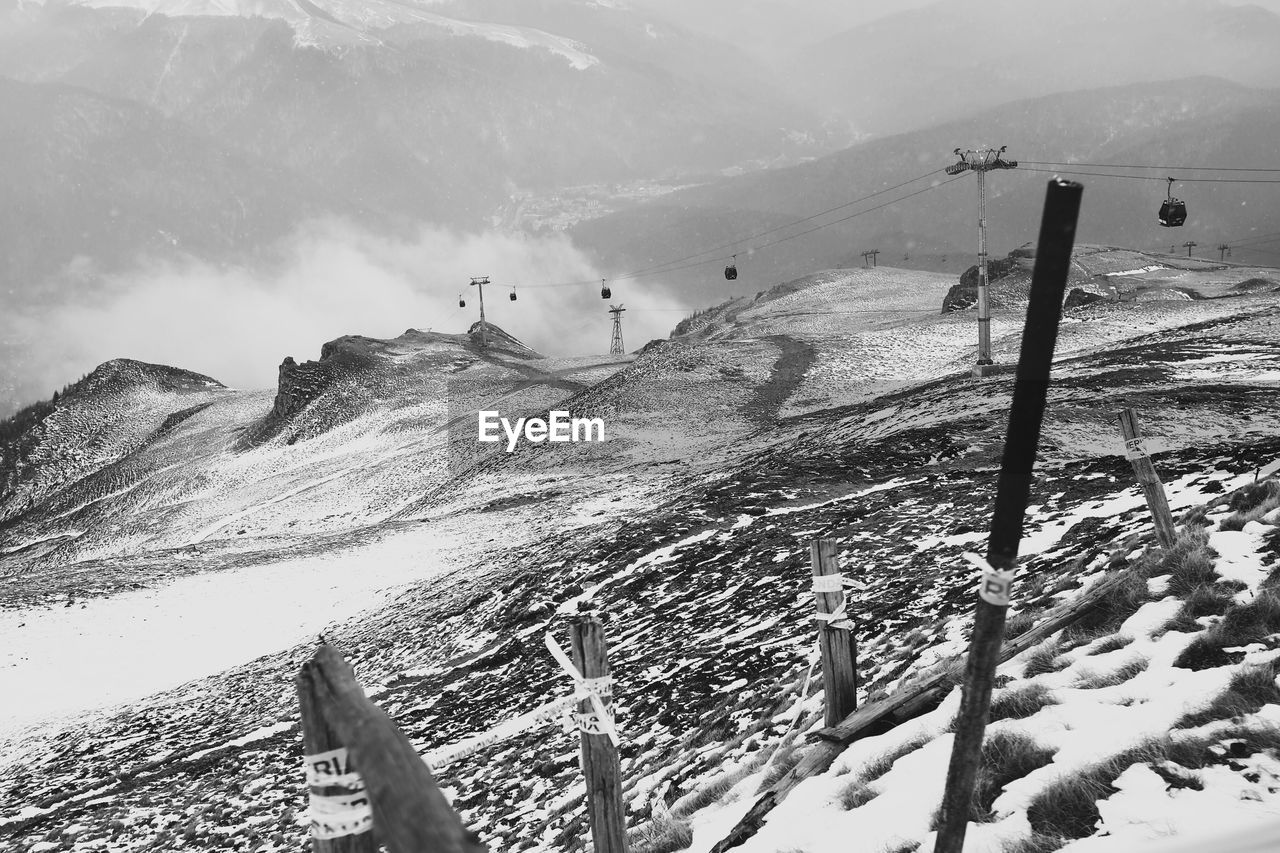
(615,343)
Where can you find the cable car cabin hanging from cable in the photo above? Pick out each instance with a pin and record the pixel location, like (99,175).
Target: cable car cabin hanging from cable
(462,303)
(1172,212)
(605,292)
(731,271)
(512,295)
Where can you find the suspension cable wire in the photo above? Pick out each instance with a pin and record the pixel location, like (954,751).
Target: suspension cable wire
(868,210)
(778,228)
(1148,166)
(1154,177)
(723,246)
(717,260)
(679,264)
(1246,241)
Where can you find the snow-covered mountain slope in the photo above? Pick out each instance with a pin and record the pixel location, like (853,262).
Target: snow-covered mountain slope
(762,424)
(120,469)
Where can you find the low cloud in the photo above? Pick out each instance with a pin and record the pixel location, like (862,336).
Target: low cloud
(330,279)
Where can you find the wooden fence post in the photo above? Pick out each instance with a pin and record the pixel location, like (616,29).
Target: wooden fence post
(600,764)
(1026,413)
(410,814)
(319,739)
(839,645)
(1148,479)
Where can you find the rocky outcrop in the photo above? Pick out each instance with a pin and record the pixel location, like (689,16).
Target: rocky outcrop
(1078,297)
(499,341)
(354,373)
(298,385)
(965,294)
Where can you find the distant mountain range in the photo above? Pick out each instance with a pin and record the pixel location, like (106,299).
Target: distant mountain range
(944,61)
(389,113)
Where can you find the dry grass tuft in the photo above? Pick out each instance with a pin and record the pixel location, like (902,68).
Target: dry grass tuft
(663,834)
(904,847)
(1043,659)
(856,794)
(1251,503)
(1035,843)
(1019,624)
(1241,625)
(1068,808)
(858,791)
(875,769)
(1020,702)
(1006,756)
(709,793)
(1190,566)
(1250,689)
(1111,644)
(1095,680)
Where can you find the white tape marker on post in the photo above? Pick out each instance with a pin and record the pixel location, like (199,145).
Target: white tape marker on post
(995,585)
(339,815)
(827,583)
(838,618)
(336,815)
(593,690)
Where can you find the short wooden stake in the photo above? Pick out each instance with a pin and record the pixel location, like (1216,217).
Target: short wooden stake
(600,764)
(410,813)
(1148,479)
(317,738)
(839,646)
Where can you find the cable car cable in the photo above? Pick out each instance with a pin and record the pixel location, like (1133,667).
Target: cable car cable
(1154,177)
(1146,166)
(650,271)
(778,228)
(800,234)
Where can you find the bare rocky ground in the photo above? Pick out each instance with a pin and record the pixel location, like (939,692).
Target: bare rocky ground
(835,406)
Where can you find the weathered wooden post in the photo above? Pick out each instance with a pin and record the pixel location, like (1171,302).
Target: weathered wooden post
(600,764)
(835,633)
(326,760)
(1148,479)
(409,812)
(1026,413)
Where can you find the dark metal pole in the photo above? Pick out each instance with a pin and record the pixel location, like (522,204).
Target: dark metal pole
(1031,388)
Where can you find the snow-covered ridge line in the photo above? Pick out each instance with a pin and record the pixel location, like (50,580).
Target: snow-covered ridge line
(319,23)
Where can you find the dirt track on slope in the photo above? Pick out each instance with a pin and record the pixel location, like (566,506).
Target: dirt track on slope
(784,378)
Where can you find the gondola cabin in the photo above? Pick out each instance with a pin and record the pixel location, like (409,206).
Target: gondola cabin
(512,295)
(731,271)
(462,303)
(1172,212)
(605,292)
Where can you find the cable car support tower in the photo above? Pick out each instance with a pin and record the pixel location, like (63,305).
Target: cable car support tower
(478,283)
(981,162)
(615,343)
